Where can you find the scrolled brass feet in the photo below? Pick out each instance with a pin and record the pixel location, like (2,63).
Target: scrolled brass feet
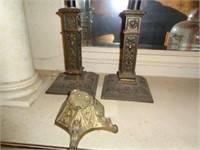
(80,114)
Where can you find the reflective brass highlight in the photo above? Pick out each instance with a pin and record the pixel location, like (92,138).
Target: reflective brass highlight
(80,114)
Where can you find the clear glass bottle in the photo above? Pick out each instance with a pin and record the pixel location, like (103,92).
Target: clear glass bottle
(185,34)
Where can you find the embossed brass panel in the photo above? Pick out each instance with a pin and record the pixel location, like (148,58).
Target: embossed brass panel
(130,44)
(80,114)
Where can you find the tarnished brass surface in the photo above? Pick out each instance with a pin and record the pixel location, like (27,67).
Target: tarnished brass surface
(74,76)
(128,56)
(126,85)
(80,114)
(139,91)
(64,83)
(71,21)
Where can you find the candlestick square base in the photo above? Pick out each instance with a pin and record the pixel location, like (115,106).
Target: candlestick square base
(64,83)
(116,91)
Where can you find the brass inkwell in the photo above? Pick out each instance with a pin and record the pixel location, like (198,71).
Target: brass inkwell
(82,113)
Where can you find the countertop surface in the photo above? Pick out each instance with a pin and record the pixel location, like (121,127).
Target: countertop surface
(171,122)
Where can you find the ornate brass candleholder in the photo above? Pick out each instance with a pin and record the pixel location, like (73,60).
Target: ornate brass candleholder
(74,76)
(126,85)
(80,114)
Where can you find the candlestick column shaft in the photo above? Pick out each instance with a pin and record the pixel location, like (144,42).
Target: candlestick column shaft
(131,32)
(72,40)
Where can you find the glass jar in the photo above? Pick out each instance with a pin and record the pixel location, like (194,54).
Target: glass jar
(185,34)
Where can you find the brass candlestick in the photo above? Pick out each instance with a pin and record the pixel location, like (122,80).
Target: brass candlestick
(126,85)
(74,77)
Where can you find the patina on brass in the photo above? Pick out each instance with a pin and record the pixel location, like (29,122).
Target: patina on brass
(80,114)
(126,85)
(74,76)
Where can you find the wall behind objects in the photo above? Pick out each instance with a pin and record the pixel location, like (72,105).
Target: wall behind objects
(45,31)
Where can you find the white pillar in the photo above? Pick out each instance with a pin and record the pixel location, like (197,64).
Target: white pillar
(18,77)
